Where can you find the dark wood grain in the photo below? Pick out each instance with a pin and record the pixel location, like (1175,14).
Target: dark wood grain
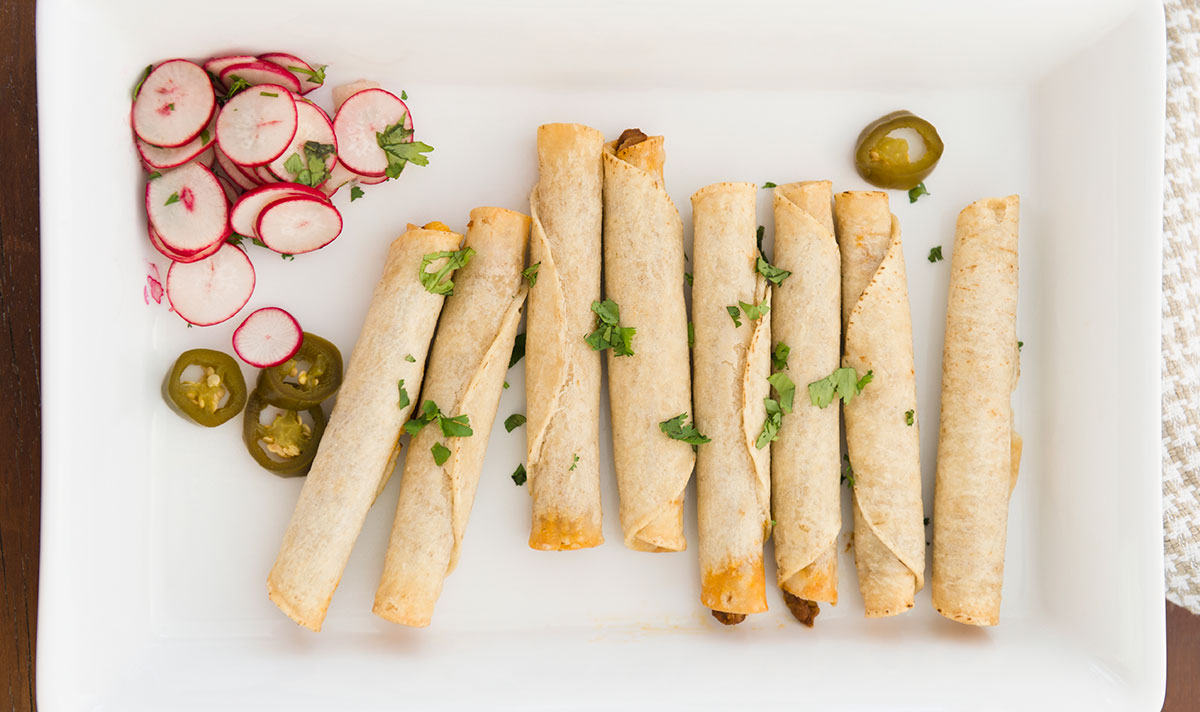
(20,411)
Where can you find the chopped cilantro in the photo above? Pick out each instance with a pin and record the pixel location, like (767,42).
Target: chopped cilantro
(935,254)
(404,401)
(439,282)
(518,349)
(676,429)
(779,356)
(518,475)
(269,93)
(768,184)
(137,88)
(774,275)
(733,314)
(441,453)
(172,198)
(785,388)
(396,141)
(530,273)
(574,463)
(513,422)
(917,191)
(410,358)
(908,416)
(688,276)
(609,333)
(315,76)
(842,382)
(355,193)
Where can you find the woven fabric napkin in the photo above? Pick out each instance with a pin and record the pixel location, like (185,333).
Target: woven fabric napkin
(1181,307)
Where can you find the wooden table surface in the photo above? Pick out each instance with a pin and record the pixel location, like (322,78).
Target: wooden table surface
(20,411)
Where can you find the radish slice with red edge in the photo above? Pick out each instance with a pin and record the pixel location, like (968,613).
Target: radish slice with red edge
(296,225)
(213,289)
(235,173)
(257,125)
(232,192)
(268,337)
(173,104)
(357,123)
(243,218)
(304,72)
(170,254)
(313,126)
(216,65)
(258,73)
(187,208)
(161,159)
(345,91)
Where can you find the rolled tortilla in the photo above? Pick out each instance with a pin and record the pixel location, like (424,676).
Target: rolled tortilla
(805,460)
(562,373)
(889,536)
(732,365)
(643,274)
(358,448)
(466,376)
(978,451)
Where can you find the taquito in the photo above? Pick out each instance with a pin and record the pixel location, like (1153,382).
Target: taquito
(643,274)
(357,451)
(978,451)
(805,460)
(465,377)
(732,362)
(889,536)
(562,373)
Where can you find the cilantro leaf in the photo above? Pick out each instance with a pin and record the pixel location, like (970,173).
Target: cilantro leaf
(355,193)
(609,333)
(441,453)
(154,175)
(770,428)
(287,256)
(755,311)
(774,275)
(842,382)
(237,86)
(785,388)
(779,356)
(935,254)
(513,422)
(917,191)
(676,429)
(315,76)
(396,141)
(457,427)
(768,184)
(847,471)
(137,88)
(691,335)
(404,401)
(574,463)
(530,273)
(733,314)
(1020,345)
(310,170)
(235,239)
(688,277)
(518,475)
(439,282)
(172,199)
(758,235)
(205,136)
(403,95)
(410,358)
(518,349)
(908,416)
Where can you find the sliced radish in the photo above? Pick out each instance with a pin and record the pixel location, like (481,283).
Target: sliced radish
(360,118)
(187,208)
(231,189)
(303,71)
(244,215)
(234,171)
(341,176)
(265,176)
(216,65)
(157,243)
(345,91)
(257,125)
(313,125)
(211,290)
(161,159)
(258,73)
(296,225)
(268,337)
(174,104)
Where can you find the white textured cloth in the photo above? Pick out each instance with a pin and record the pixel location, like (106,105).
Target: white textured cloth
(1181,307)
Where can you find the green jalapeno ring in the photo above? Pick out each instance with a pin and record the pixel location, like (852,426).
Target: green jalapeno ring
(321,380)
(874,160)
(287,432)
(199,401)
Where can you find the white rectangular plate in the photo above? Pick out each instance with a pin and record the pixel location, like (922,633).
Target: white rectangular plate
(157,536)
